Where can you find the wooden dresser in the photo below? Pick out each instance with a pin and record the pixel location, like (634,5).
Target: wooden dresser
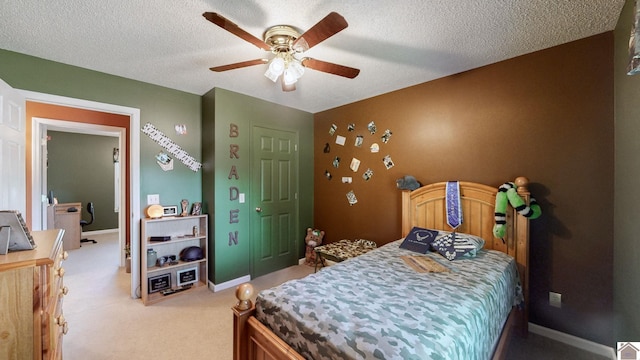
(31,296)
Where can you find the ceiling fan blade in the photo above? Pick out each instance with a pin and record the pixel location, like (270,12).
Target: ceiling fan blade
(324,29)
(330,68)
(286,87)
(235,30)
(239,65)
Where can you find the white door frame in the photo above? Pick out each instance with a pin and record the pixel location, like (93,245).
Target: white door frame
(133,164)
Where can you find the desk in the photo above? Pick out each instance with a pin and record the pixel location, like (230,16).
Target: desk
(58,217)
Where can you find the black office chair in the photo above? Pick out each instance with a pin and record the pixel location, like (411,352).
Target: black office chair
(83,222)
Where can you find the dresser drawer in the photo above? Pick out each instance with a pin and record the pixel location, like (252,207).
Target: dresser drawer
(53,287)
(33,299)
(53,332)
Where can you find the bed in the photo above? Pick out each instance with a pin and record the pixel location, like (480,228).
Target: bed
(383,308)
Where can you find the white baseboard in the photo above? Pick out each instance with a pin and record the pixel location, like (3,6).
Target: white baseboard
(229,284)
(574,341)
(99,232)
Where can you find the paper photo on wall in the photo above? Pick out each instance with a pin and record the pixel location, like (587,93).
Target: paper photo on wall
(351,197)
(165,161)
(181,129)
(336,162)
(351,127)
(367,175)
(386,136)
(341,140)
(374,148)
(355,164)
(359,140)
(372,127)
(333,129)
(388,163)
(633,67)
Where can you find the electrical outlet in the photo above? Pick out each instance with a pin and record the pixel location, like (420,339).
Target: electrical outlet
(555,299)
(153,199)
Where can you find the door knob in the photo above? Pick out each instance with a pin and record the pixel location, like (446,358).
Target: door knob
(258,209)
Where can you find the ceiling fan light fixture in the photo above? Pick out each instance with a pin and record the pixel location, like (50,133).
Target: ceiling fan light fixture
(275,69)
(289,76)
(286,43)
(269,74)
(296,68)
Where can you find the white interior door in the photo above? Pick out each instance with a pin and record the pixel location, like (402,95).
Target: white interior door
(13,191)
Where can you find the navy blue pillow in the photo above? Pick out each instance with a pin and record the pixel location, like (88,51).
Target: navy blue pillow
(419,240)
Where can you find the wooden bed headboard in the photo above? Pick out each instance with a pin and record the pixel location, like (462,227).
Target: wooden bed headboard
(425,207)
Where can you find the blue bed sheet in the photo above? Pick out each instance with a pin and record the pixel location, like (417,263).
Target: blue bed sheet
(375,306)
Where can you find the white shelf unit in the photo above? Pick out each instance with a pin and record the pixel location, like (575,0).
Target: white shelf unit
(180,229)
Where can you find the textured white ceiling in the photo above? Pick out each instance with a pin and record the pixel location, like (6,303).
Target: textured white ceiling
(395,44)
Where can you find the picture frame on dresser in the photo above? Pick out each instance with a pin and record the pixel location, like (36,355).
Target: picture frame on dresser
(19,236)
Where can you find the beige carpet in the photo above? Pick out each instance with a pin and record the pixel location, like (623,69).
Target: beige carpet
(106,323)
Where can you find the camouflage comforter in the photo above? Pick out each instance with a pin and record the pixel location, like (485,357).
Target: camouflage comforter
(374,306)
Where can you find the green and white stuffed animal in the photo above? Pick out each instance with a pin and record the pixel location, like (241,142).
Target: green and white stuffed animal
(507,193)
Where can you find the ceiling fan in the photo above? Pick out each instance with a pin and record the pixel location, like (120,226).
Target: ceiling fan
(288,45)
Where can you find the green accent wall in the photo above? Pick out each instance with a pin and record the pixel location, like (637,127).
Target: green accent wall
(207,140)
(220,109)
(80,169)
(161,106)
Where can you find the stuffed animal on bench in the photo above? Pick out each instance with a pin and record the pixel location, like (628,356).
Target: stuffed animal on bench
(313,239)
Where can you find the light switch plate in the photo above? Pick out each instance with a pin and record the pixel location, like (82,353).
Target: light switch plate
(153,199)
(555,299)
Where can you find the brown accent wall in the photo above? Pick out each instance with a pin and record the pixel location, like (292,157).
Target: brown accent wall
(547,116)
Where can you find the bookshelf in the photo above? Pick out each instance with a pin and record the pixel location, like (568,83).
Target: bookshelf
(160,280)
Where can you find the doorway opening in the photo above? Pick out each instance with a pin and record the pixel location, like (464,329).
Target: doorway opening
(79,165)
(44,110)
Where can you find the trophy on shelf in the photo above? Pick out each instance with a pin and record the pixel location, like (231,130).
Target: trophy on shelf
(185,205)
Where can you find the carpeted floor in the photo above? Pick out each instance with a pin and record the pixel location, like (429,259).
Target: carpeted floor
(106,323)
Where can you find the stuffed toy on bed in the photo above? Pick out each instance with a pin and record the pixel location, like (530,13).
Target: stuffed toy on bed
(313,239)
(507,193)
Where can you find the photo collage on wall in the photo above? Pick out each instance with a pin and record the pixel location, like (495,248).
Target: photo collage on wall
(355,164)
